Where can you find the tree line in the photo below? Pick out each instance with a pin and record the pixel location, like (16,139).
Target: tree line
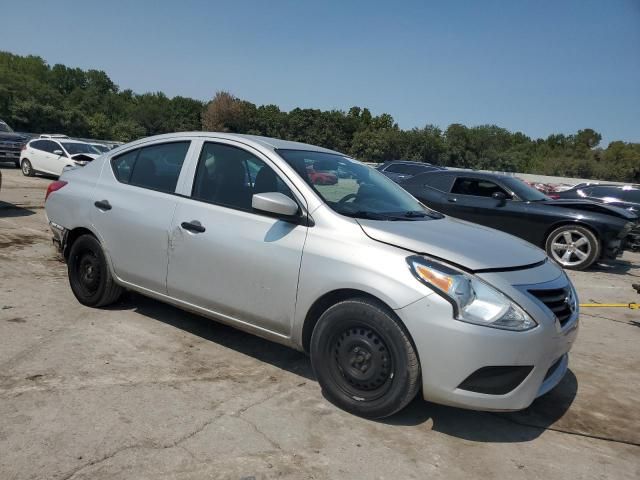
(36,97)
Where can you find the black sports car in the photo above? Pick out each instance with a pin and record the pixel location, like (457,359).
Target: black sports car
(575,233)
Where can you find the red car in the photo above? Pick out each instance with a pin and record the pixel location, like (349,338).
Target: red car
(321,178)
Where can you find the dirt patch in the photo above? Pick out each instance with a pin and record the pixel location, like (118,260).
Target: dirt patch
(14,240)
(16,320)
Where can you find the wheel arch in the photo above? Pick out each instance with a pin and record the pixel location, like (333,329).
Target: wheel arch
(331,298)
(569,223)
(72,236)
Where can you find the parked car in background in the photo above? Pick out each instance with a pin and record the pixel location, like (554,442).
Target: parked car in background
(387,296)
(575,233)
(52,154)
(100,147)
(399,170)
(321,178)
(623,196)
(10,144)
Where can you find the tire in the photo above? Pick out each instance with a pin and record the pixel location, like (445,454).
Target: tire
(364,359)
(89,274)
(27,168)
(573,247)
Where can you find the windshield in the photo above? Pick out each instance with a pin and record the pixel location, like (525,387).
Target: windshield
(100,148)
(354,189)
(524,191)
(5,128)
(75,148)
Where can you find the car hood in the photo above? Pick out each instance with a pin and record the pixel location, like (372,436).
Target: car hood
(589,206)
(468,245)
(12,137)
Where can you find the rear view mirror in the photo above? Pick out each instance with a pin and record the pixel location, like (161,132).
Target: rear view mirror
(275,203)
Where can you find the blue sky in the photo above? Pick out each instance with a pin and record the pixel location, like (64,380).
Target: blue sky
(539,67)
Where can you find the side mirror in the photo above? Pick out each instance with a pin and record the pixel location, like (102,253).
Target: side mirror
(58,152)
(500,196)
(276,203)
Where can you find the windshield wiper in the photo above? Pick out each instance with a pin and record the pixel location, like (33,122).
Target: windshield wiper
(415,214)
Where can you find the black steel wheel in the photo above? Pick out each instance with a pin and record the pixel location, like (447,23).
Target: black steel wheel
(364,358)
(89,275)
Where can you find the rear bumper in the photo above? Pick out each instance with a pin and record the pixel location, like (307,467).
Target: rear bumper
(59,236)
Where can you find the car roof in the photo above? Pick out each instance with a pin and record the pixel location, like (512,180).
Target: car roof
(467,173)
(264,142)
(58,139)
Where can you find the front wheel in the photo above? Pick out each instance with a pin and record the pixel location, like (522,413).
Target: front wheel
(89,275)
(364,359)
(27,169)
(573,247)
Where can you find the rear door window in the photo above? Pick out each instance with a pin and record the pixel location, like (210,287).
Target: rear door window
(37,145)
(156,167)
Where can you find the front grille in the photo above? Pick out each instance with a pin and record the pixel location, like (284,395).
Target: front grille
(559,300)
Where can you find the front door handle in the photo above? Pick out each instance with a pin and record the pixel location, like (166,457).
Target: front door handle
(103,204)
(193,226)
(452,200)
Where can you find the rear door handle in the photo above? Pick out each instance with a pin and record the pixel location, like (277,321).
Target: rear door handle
(193,226)
(103,204)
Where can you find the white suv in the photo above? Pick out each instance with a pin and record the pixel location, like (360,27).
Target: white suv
(50,154)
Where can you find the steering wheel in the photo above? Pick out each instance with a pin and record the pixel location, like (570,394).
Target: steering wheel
(348,197)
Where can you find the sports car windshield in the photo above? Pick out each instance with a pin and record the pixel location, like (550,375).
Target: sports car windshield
(75,148)
(354,189)
(524,191)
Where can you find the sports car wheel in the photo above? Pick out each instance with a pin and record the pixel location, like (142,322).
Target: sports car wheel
(573,247)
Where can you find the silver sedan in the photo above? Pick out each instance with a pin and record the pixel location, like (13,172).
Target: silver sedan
(312,249)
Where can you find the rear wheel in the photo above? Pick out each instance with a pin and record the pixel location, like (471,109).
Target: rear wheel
(27,169)
(364,359)
(573,247)
(89,275)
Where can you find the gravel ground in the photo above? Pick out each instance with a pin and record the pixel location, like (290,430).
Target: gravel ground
(143,390)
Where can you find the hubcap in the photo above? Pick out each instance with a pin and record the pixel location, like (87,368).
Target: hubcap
(25,167)
(88,271)
(362,363)
(570,248)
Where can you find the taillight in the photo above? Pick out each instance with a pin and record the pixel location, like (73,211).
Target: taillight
(24,147)
(54,187)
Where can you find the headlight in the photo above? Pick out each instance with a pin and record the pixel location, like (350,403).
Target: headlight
(473,300)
